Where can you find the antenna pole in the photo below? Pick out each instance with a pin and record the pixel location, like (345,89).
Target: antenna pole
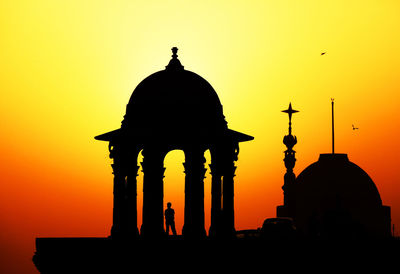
(333,129)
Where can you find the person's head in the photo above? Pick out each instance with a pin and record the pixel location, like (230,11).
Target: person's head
(169,204)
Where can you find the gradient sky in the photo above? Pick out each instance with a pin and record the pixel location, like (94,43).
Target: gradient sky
(68,69)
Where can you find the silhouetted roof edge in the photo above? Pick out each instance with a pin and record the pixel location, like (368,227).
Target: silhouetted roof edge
(115,134)
(108,136)
(241,137)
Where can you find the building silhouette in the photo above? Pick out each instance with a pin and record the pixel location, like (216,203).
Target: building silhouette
(332,198)
(177,109)
(173,109)
(335,198)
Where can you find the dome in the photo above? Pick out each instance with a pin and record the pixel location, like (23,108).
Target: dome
(334,193)
(335,175)
(174,100)
(174,106)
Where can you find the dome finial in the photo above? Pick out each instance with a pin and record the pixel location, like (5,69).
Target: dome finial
(174,63)
(174,52)
(290,111)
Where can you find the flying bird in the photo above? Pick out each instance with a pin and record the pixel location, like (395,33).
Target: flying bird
(323,53)
(354,128)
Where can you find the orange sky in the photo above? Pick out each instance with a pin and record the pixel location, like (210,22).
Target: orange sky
(68,69)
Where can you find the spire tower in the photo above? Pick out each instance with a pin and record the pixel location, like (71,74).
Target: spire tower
(289,179)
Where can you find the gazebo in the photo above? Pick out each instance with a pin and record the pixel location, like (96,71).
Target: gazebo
(173,109)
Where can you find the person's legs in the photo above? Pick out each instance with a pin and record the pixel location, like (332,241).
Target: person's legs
(167,228)
(173,228)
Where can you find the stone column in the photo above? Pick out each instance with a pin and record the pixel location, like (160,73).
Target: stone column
(125,205)
(132,199)
(119,228)
(228,191)
(216,206)
(194,193)
(153,193)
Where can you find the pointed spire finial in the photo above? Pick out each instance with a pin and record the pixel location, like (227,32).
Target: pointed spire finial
(290,111)
(174,63)
(174,52)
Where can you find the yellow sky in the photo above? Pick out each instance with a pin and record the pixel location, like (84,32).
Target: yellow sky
(68,69)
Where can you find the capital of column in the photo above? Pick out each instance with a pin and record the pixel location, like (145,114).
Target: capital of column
(134,171)
(111,150)
(153,168)
(116,169)
(215,169)
(229,155)
(189,169)
(230,170)
(124,159)
(120,169)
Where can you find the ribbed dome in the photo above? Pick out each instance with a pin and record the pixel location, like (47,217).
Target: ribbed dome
(176,100)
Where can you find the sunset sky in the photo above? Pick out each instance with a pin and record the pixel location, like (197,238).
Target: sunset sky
(68,69)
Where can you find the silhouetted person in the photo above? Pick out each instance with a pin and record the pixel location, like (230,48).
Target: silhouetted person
(170,219)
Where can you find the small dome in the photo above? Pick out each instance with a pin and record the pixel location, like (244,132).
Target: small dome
(175,100)
(337,192)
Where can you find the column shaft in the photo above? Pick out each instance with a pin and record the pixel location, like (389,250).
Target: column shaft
(231,152)
(153,194)
(125,207)
(117,229)
(132,201)
(228,202)
(216,206)
(194,193)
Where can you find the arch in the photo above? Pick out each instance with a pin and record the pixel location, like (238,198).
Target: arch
(207,189)
(174,185)
(139,196)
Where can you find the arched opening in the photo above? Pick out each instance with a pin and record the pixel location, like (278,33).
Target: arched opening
(139,190)
(174,186)
(207,191)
